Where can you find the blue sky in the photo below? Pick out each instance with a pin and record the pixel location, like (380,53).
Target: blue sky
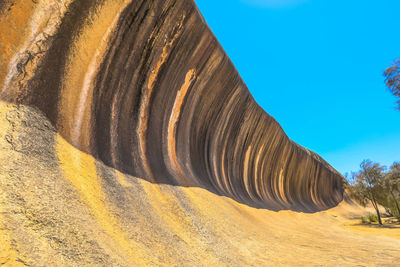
(316,66)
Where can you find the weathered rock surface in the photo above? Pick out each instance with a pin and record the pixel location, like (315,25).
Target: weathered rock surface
(128,137)
(145,87)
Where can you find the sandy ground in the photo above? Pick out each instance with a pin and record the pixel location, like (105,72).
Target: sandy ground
(390,227)
(62,207)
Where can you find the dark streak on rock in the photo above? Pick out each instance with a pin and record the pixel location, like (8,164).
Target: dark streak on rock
(224,141)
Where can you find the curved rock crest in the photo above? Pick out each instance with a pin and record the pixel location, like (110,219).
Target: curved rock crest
(145,87)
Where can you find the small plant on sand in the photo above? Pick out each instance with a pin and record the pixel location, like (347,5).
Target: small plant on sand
(373,218)
(364,220)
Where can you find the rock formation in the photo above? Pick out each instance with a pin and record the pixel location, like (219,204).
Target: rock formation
(145,87)
(117,117)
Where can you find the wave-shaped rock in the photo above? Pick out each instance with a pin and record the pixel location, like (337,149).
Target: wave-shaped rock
(127,138)
(145,87)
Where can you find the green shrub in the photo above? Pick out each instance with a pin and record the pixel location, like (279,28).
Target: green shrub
(364,220)
(373,218)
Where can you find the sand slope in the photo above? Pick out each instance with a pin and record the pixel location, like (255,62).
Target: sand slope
(60,206)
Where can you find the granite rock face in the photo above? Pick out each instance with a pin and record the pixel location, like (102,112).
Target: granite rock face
(145,89)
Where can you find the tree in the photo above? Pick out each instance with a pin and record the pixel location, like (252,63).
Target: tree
(392,183)
(392,79)
(367,184)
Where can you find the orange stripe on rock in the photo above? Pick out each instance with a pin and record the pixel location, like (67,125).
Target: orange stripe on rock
(175,114)
(145,101)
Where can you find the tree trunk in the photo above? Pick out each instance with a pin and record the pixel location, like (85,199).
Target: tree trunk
(379,215)
(373,201)
(397,204)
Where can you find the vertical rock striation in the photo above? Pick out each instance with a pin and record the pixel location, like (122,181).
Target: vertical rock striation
(145,87)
